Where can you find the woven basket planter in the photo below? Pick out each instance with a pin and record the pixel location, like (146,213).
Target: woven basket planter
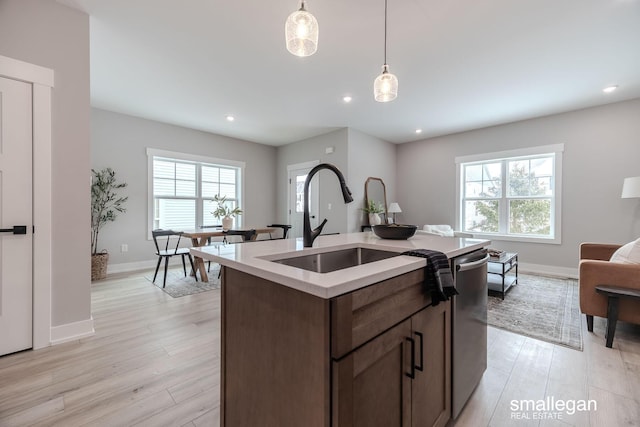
(99,266)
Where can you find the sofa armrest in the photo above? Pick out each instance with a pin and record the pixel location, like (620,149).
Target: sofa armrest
(597,251)
(596,272)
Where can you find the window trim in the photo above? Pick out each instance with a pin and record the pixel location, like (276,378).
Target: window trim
(154,152)
(558,150)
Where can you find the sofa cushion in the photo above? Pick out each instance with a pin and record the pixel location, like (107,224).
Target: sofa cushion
(627,254)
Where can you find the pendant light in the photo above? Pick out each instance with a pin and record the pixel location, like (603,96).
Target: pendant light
(385,87)
(301,32)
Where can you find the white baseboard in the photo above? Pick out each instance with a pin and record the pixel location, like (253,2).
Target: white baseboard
(131,266)
(72,331)
(548,270)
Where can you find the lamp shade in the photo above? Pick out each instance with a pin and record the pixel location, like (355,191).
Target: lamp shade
(394,208)
(301,32)
(631,187)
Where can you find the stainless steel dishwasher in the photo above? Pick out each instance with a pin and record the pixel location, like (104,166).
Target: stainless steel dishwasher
(469,326)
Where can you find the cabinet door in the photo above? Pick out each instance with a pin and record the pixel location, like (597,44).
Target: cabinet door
(431,388)
(371,385)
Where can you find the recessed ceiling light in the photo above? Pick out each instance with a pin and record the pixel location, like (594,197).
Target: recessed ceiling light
(610,89)
(418,130)
(347,99)
(229,118)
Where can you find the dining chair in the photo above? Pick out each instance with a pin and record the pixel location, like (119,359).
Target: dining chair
(285,230)
(245,236)
(210,239)
(170,250)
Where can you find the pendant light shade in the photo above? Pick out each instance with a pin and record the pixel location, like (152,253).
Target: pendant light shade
(385,87)
(301,32)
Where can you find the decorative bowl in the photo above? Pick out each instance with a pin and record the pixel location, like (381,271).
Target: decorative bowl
(394,231)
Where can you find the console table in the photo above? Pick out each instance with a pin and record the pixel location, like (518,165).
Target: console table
(499,276)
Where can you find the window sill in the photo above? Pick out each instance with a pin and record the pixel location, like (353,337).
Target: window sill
(523,239)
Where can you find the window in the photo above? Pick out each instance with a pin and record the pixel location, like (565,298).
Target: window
(300,179)
(512,195)
(182,188)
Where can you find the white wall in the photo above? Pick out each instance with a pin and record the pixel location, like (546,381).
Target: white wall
(602,147)
(120,142)
(369,157)
(48,34)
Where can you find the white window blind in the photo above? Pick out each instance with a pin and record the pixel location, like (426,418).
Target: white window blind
(182,189)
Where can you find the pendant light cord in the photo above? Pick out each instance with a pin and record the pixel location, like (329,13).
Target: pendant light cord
(385,32)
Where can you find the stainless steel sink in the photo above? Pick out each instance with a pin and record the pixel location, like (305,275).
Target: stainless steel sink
(326,262)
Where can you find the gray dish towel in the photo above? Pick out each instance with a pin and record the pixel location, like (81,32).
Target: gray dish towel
(437,275)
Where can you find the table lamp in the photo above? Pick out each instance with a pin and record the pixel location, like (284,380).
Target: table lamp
(395,208)
(630,188)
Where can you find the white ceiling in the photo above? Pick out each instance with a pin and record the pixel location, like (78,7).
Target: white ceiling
(461,64)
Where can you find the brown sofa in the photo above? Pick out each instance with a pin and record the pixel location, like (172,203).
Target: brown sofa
(595,269)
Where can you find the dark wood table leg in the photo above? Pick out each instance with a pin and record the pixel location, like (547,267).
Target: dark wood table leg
(612,319)
(503,274)
(589,323)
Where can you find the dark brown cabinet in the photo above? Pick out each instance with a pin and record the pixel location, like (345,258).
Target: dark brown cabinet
(431,388)
(378,356)
(400,378)
(371,385)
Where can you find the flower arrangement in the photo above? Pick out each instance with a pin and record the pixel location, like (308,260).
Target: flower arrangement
(373,208)
(223,210)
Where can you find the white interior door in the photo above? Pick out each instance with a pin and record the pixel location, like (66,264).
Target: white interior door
(16,277)
(297,175)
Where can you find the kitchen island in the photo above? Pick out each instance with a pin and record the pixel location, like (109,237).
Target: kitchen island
(356,346)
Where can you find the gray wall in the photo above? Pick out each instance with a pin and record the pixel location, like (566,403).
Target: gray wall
(45,33)
(602,147)
(314,149)
(358,156)
(369,156)
(120,142)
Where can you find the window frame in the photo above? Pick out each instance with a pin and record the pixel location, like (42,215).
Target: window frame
(504,156)
(189,158)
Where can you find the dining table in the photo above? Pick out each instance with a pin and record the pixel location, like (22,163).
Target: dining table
(200,237)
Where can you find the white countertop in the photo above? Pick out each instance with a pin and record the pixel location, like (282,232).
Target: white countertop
(253,258)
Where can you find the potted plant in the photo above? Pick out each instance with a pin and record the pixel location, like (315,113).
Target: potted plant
(374,210)
(105,206)
(224,212)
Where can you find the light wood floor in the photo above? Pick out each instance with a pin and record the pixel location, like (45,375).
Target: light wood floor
(154,361)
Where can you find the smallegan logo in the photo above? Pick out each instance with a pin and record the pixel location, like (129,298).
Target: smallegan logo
(549,408)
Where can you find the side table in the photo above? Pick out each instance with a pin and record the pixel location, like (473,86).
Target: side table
(498,278)
(613,293)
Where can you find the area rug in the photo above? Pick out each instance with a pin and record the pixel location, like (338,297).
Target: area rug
(179,286)
(540,307)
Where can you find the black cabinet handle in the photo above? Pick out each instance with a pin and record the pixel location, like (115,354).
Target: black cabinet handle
(17,229)
(412,374)
(421,367)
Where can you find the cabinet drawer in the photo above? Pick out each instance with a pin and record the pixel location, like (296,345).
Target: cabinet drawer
(359,316)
